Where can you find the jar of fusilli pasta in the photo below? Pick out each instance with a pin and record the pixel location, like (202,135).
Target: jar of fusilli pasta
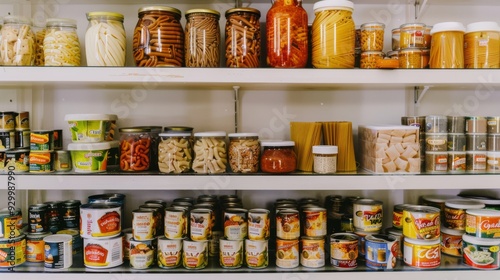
(17,45)
(61,46)
(447,48)
(482,45)
(105,40)
(158,38)
(242,38)
(333,34)
(202,42)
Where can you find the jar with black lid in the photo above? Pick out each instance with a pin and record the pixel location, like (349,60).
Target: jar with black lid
(202,41)
(278,157)
(243,38)
(135,149)
(158,38)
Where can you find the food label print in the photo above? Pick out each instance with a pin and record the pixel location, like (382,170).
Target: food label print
(421,222)
(368,215)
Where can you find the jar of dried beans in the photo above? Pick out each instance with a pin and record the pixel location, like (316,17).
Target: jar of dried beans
(243,38)
(202,41)
(244,152)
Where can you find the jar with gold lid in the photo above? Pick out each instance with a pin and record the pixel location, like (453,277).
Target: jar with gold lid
(105,39)
(243,39)
(447,48)
(202,41)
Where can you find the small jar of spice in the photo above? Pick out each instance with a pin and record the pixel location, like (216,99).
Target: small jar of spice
(325,159)
(278,157)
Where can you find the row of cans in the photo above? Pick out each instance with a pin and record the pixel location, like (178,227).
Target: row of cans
(36,141)
(23,160)
(53,216)
(10,121)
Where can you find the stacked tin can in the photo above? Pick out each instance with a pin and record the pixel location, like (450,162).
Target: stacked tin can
(456,144)
(14,141)
(476,138)
(371,44)
(414,44)
(12,238)
(176,230)
(418,121)
(235,232)
(493,144)
(481,239)
(436,144)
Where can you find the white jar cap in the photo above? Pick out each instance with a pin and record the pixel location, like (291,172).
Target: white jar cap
(242,134)
(334,4)
(277,143)
(210,134)
(325,149)
(448,26)
(482,26)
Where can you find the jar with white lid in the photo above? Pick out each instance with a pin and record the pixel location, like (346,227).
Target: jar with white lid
(61,46)
(175,153)
(482,45)
(244,152)
(105,39)
(17,42)
(210,155)
(325,159)
(278,157)
(447,48)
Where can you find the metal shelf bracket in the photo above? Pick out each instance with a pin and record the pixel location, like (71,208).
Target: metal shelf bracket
(420,6)
(419,93)
(236,90)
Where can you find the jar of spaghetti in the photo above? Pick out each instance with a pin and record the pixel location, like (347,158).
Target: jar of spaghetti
(369,59)
(16,32)
(372,36)
(105,39)
(243,38)
(244,152)
(396,35)
(158,37)
(410,58)
(202,38)
(412,35)
(278,157)
(135,149)
(61,46)
(447,48)
(482,45)
(287,35)
(333,34)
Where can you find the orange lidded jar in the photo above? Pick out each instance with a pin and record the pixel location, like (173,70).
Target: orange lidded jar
(447,48)
(278,157)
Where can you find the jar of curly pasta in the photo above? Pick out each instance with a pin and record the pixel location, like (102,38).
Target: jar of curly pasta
(369,59)
(244,152)
(242,38)
(135,149)
(158,38)
(412,35)
(333,34)
(105,39)
(372,36)
(447,48)
(61,46)
(482,45)
(410,58)
(201,46)
(17,42)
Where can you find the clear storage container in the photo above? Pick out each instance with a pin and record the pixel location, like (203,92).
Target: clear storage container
(210,155)
(243,39)
(17,42)
(202,38)
(244,152)
(278,157)
(61,45)
(372,36)
(482,45)
(412,35)
(447,48)
(135,149)
(325,159)
(105,39)
(175,153)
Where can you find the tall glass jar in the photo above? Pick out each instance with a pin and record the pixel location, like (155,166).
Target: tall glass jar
(175,154)
(17,43)
(135,149)
(287,35)
(333,34)
(243,38)
(210,155)
(202,42)
(105,39)
(447,48)
(39,32)
(482,45)
(244,152)
(158,37)
(61,46)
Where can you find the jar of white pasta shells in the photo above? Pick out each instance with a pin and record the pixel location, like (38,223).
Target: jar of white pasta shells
(105,40)
(61,46)
(17,43)
(210,154)
(175,154)
(244,152)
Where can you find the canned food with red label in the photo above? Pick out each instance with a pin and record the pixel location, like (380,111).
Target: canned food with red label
(422,253)
(103,253)
(12,251)
(99,220)
(483,223)
(397,215)
(421,222)
(368,215)
(344,250)
(35,247)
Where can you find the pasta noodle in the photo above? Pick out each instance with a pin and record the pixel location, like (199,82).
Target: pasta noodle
(210,155)
(305,135)
(340,134)
(482,49)
(39,56)
(105,40)
(202,42)
(17,45)
(243,38)
(174,155)
(61,45)
(447,50)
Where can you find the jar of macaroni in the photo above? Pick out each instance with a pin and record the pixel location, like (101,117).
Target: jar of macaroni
(244,152)
(369,59)
(396,36)
(447,48)
(482,45)
(158,38)
(210,155)
(243,38)
(202,41)
(325,159)
(372,36)
(17,42)
(105,39)
(175,153)
(135,149)
(410,58)
(412,35)
(61,46)
(333,34)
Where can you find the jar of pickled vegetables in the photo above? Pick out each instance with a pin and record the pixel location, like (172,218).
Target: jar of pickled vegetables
(243,38)
(210,155)
(278,157)
(135,149)
(175,153)
(61,46)
(201,46)
(482,45)
(287,35)
(17,42)
(158,38)
(333,34)
(244,152)
(105,39)
(447,48)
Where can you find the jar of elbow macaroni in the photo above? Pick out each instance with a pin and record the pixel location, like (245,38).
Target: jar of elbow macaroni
(202,38)
(447,48)
(482,45)
(410,58)
(210,155)
(243,38)
(61,46)
(369,59)
(175,154)
(105,39)
(372,36)
(17,42)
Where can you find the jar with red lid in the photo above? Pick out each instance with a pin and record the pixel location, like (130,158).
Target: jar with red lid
(278,157)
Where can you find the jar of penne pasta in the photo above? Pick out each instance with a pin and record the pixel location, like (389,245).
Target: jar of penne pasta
(17,42)
(175,154)
(447,48)
(243,38)
(158,38)
(333,34)
(105,39)
(210,155)
(482,45)
(61,46)
(244,152)
(202,41)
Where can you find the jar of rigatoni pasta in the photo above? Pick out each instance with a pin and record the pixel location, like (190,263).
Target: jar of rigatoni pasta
(482,45)
(447,48)
(61,46)
(333,34)
(105,39)
(202,41)
(17,31)
(210,155)
(175,154)
(243,38)
(158,38)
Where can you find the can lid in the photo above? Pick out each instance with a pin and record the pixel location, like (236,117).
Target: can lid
(483,199)
(480,241)
(367,201)
(89,146)
(175,134)
(452,231)
(325,149)
(105,14)
(438,198)
(103,205)
(448,26)
(87,117)
(277,143)
(422,241)
(483,212)
(210,134)
(482,26)
(58,238)
(333,4)
(249,134)
(159,8)
(464,204)
(380,238)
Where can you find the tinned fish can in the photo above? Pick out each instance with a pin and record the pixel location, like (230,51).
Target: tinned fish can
(98,220)
(287,253)
(176,222)
(483,223)
(235,224)
(256,253)
(381,251)
(231,253)
(38,218)
(288,224)
(201,224)
(103,253)
(58,251)
(143,224)
(421,222)
(12,251)
(169,252)
(258,224)
(194,254)
(35,247)
(312,252)
(344,250)
(142,254)
(420,253)
(368,215)
(481,253)
(314,221)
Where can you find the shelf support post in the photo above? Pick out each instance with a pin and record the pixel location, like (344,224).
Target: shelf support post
(419,93)
(236,90)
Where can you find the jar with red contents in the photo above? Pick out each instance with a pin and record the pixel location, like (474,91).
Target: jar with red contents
(135,149)
(278,157)
(287,35)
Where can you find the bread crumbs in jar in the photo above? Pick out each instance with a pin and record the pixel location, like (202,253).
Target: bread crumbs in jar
(325,159)
(278,157)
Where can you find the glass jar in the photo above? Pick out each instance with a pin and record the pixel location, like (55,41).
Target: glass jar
(244,152)
(17,42)
(427,36)
(175,153)
(287,35)
(410,58)
(158,37)
(278,157)
(243,38)
(210,154)
(333,34)
(370,59)
(372,36)
(105,39)
(482,45)
(411,35)
(202,41)
(39,32)
(426,53)
(396,35)
(61,46)
(325,159)
(447,48)
(135,149)
(155,139)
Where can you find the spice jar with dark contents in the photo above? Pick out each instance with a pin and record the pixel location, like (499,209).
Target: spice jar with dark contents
(135,149)
(158,38)
(202,41)
(243,38)
(287,36)
(244,152)
(278,157)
